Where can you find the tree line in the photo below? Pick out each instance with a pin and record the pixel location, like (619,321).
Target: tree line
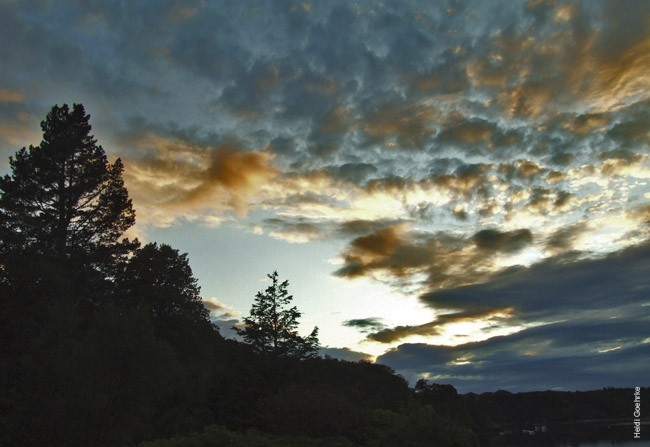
(106,342)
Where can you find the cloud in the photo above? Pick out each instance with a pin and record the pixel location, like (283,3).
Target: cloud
(565,238)
(435,327)
(408,124)
(572,355)
(223,317)
(398,255)
(472,131)
(507,242)
(632,132)
(345,354)
(372,251)
(354,172)
(617,57)
(365,325)
(519,299)
(212,306)
(586,123)
(226,327)
(177,175)
(7,95)
(523,169)
(18,127)
(577,286)
(299,231)
(217,307)
(467,180)
(240,173)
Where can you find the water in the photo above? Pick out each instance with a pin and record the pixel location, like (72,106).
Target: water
(580,434)
(633,443)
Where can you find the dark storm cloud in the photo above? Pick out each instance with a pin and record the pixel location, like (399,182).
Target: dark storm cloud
(554,288)
(365,325)
(508,242)
(581,310)
(579,354)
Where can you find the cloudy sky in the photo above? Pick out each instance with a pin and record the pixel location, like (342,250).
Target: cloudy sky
(459,189)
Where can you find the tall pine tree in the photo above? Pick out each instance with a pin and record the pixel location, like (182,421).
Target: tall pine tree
(64,205)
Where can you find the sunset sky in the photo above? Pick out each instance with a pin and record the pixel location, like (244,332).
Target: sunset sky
(457,189)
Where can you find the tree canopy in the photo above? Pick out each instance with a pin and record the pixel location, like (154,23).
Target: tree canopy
(272,326)
(64,201)
(160,279)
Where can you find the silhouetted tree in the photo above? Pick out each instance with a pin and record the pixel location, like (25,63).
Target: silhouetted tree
(272,326)
(160,280)
(64,201)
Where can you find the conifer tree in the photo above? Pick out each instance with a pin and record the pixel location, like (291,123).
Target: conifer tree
(272,326)
(64,201)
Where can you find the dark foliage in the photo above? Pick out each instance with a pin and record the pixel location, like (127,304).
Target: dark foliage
(569,417)
(159,280)
(66,205)
(271,327)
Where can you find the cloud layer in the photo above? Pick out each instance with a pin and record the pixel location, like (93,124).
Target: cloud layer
(436,146)
(581,324)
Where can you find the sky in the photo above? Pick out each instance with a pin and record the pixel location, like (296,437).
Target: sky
(457,189)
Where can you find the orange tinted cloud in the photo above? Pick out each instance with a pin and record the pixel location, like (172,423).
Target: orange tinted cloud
(409,124)
(471,132)
(396,254)
(10,96)
(371,250)
(176,177)
(382,243)
(586,123)
(390,335)
(238,173)
(534,76)
(19,130)
(617,76)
